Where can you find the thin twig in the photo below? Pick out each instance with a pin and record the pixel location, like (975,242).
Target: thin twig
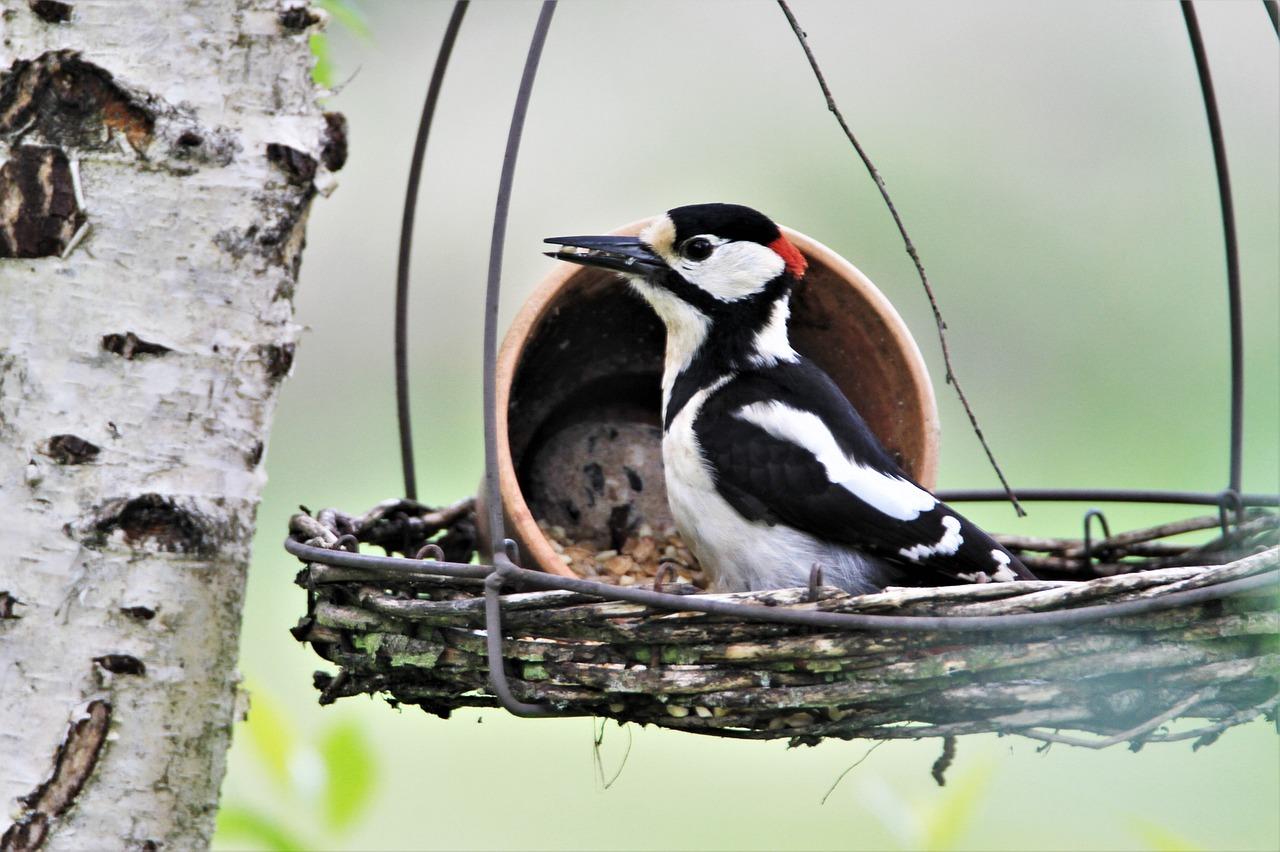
(854,766)
(597,741)
(1266,707)
(911,250)
(1063,554)
(1124,736)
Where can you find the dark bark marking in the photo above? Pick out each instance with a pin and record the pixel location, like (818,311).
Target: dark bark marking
(38,210)
(142,613)
(278,237)
(26,833)
(216,146)
(66,100)
(71,449)
(278,359)
(254,458)
(333,151)
(130,346)
(297,18)
(51,11)
(155,519)
(72,765)
(7,603)
(123,664)
(298,166)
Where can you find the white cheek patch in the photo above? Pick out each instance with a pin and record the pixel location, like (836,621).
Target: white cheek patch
(734,270)
(891,495)
(946,546)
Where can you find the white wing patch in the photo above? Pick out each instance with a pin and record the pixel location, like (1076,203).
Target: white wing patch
(946,546)
(1003,573)
(891,495)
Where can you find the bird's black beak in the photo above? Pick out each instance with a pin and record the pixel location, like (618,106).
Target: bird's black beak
(621,254)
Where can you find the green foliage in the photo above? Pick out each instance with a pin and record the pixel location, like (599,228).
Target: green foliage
(348,15)
(938,824)
(331,773)
(241,826)
(1158,838)
(945,824)
(322,72)
(349,774)
(272,738)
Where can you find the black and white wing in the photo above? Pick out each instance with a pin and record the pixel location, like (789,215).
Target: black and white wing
(785,446)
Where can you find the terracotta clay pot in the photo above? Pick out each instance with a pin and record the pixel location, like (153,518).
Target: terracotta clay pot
(578,399)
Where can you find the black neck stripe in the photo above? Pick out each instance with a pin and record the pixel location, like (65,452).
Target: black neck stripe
(730,338)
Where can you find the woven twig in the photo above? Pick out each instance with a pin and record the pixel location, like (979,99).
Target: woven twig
(419,639)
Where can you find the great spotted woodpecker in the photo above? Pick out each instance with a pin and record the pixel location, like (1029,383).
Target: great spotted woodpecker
(769,468)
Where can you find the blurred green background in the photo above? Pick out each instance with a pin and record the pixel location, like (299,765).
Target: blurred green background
(1053,165)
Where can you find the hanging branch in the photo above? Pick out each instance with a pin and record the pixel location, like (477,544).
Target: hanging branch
(911,250)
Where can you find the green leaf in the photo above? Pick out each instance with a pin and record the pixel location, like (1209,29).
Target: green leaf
(240,825)
(350,773)
(348,14)
(322,72)
(271,736)
(1161,839)
(948,821)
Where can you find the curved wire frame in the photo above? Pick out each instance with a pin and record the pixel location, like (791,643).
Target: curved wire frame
(505,572)
(406,245)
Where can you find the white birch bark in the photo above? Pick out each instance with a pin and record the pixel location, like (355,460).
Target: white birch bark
(162,157)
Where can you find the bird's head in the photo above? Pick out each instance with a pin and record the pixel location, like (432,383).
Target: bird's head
(700,264)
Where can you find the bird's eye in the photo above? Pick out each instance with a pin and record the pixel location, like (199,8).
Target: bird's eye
(697,248)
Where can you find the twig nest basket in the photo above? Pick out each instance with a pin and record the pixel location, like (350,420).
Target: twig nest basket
(1196,641)
(578,398)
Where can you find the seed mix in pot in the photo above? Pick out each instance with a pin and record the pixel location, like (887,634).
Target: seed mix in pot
(636,562)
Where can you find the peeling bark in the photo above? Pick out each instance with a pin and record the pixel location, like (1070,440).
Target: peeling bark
(73,763)
(156,170)
(39,212)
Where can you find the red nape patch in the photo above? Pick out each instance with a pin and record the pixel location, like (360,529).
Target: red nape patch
(791,256)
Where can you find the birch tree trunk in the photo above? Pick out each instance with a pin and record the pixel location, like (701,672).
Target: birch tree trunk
(159,160)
